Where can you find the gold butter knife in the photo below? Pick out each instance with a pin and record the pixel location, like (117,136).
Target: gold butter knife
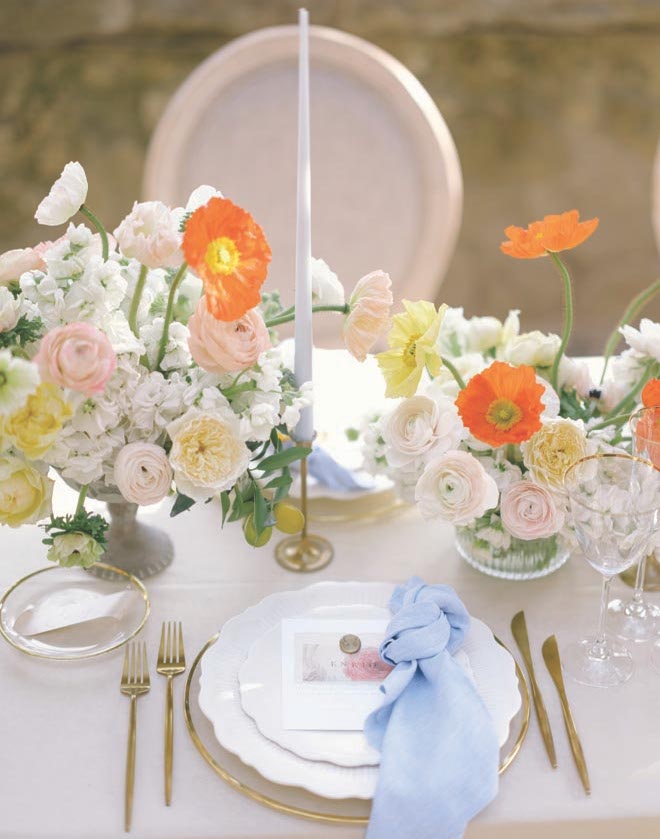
(519,630)
(553,663)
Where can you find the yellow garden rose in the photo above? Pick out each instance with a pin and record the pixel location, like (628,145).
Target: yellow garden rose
(25,493)
(34,428)
(555,447)
(207,453)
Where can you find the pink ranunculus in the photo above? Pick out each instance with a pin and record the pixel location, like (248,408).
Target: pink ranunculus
(77,356)
(529,511)
(366,666)
(226,347)
(369,313)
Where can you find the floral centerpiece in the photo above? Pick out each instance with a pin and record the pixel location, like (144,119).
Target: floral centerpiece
(146,363)
(488,418)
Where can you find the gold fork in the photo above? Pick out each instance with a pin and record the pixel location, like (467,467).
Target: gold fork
(171,662)
(134,682)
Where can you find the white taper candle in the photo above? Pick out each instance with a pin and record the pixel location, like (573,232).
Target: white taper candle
(303,298)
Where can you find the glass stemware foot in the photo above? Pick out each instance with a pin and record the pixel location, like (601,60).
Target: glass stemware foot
(597,664)
(633,620)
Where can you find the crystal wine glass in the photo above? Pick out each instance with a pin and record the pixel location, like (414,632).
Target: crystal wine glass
(614,501)
(635,618)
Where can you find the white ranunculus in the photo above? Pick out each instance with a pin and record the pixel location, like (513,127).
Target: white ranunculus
(18,379)
(327,290)
(483,334)
(533,348)
(66,196)
(645,340)
(419,427)
(150,234)
(575,375)
(456,488)
(10,309)
(143,473)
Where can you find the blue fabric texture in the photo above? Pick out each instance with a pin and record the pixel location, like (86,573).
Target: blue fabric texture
(439,749)
(325,469)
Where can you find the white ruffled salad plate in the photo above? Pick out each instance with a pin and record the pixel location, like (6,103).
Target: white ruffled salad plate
(242,670)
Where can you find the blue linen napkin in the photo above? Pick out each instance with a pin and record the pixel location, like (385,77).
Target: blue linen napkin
(323,467)
(439,750)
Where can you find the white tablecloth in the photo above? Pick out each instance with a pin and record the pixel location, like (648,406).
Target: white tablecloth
(63,725)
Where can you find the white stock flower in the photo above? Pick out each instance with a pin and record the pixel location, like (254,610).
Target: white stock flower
(143,473)
(533,348)
(66,196)
(483,334)
(10,309)
(18,379)
(550,399)
(419,427)
(177,355)
(327,290)
(150,234)
(645,340)
(445,384)
(456,488)
(503,471)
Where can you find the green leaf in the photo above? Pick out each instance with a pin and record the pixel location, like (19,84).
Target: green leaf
(352,434)
(260,511)
(279,481)
(225,503)
(181,504)
(283,458)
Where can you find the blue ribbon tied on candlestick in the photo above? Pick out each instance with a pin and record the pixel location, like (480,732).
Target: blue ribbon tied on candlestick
(439,749)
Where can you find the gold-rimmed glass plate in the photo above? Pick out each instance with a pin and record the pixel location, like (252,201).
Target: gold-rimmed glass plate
(295,801)
(68,614)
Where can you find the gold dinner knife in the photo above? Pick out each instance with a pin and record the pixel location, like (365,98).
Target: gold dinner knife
(552,662)
(519,630)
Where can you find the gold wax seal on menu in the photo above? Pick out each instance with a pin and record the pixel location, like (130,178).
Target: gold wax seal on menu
(349,644)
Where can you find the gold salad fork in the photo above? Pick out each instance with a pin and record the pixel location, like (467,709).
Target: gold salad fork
(171,662)
(134,682)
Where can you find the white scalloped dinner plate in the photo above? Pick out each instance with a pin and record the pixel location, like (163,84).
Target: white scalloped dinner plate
(220,692)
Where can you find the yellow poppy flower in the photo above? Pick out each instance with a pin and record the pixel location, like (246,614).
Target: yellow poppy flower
(413,346)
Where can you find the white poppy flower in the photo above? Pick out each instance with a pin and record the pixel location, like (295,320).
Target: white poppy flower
(66,196)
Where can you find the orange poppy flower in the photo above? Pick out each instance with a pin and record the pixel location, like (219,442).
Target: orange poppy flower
(553,234)
(502,404)
(227,249)
(651,394)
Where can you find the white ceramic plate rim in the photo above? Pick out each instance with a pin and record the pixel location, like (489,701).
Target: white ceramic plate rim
(238,733)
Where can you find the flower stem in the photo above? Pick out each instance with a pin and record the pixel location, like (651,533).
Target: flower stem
(82,495)
(100,229)
(135,302)
(169,313)
(459,379)
(290,315)
(634,308)
(568,318)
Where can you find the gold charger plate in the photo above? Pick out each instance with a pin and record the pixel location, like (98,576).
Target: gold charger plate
(292,800)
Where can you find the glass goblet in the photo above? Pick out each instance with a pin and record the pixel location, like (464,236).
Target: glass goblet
(635,618)
(613,500)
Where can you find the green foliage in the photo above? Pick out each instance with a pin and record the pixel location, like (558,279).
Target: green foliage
(25,332)
(181,504)
(92,524)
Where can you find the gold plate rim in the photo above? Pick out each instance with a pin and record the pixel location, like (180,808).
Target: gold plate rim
(139,585)
(302,812)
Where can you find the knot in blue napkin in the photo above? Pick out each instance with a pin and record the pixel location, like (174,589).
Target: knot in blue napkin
(439,750)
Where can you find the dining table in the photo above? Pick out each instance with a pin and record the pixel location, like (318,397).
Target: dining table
(63,729)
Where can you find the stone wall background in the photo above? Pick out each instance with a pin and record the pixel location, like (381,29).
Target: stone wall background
(553,104)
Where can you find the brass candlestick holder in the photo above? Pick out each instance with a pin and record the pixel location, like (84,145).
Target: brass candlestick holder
(304,552)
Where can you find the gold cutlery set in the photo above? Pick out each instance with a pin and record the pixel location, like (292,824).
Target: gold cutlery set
(550,654)
(134,683)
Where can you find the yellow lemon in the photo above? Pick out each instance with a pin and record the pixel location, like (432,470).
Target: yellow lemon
(288,519)
(250,533)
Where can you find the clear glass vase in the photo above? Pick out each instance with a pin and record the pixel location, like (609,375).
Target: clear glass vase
(522,560)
